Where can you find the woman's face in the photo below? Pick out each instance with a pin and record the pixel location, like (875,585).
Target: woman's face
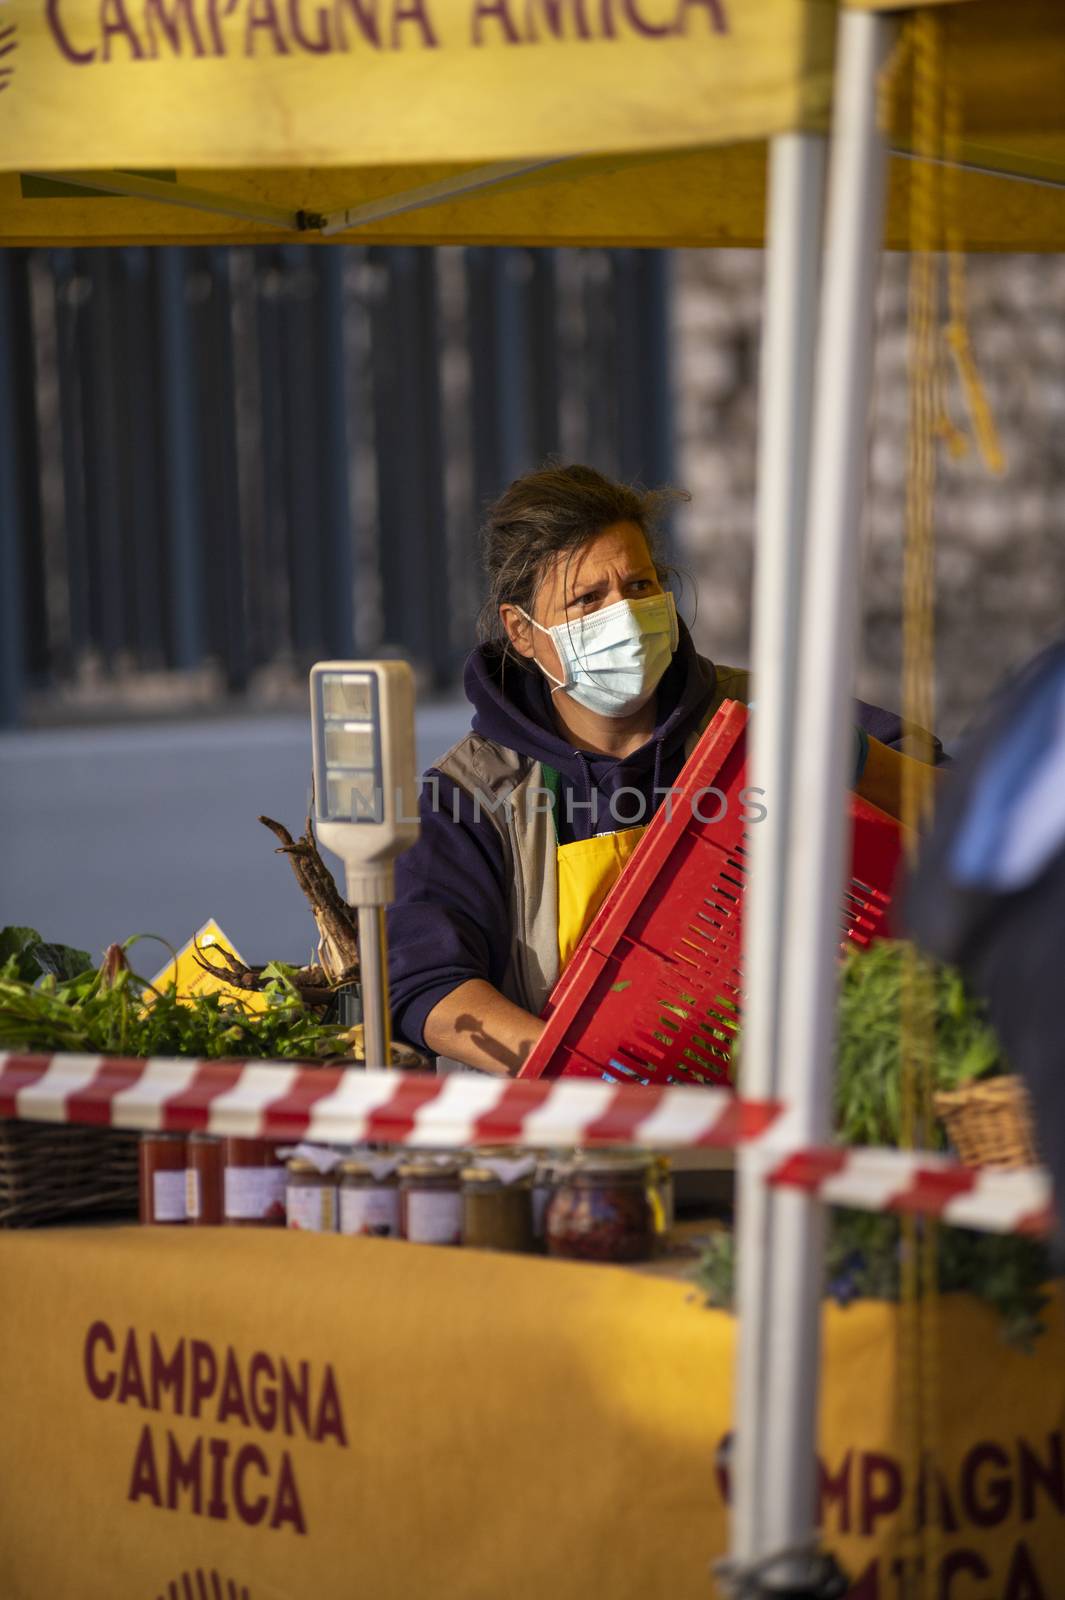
(615,565)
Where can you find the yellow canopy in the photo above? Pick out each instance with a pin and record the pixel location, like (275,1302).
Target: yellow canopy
(473,121)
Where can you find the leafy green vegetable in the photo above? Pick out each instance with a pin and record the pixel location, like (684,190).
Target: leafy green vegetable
(17,944)
(62,960)
(862,1262)
(111,1011)
(863,1249)
(35,956)
(868,1095)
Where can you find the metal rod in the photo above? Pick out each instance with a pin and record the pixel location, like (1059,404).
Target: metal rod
(129,185)
(1040,181)
(822,769)
(373,974)
(12,641)
(431,194)
(337,576)
(793,260)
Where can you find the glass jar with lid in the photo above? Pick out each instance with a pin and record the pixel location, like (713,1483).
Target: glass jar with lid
(369,1197)
(430,1200)
(603,1209)
(162,1178)
(310,1197)
(497,1210)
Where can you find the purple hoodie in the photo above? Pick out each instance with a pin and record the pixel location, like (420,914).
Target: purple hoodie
(449,922)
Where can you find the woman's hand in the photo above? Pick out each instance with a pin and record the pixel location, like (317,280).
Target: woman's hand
(480,1027)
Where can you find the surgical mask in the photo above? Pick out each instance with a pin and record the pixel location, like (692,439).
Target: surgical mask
(614,659)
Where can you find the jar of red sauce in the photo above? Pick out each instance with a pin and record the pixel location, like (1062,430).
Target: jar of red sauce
(203,1180)
(604,1209)
(162,1178)
(253,1184)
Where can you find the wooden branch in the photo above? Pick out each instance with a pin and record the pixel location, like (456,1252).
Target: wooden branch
(310,983)
(338,939)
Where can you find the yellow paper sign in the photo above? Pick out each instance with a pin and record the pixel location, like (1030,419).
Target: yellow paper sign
(193,979)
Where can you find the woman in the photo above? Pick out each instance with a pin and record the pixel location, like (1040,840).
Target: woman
(588,697)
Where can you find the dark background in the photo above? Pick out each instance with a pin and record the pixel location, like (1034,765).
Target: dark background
(221,465)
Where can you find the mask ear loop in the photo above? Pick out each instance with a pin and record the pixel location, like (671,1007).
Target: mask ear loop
(560,683)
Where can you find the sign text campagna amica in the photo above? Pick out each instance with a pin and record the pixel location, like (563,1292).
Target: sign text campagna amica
(144,30)
(222,1476)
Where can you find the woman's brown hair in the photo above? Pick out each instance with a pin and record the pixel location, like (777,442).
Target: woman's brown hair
(550,512)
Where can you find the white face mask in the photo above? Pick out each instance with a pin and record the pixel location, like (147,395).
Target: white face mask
(614,659)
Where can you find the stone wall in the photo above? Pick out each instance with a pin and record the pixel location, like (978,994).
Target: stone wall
(1000,541)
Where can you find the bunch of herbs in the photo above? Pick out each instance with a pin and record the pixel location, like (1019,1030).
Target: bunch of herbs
(863,1262)
(53,999)
(864,1248)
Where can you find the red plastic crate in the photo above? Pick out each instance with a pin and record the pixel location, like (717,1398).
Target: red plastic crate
(653,991)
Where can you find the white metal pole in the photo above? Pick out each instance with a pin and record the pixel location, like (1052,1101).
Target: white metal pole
(373,975)
(792,276)
(823,761)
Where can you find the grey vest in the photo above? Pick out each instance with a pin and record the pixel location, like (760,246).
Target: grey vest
(509,790)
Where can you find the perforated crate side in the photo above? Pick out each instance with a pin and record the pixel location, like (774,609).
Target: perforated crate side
(653,993)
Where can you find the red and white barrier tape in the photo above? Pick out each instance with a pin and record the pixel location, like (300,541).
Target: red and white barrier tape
(1017,1201)
(331,1105)
(282,1100)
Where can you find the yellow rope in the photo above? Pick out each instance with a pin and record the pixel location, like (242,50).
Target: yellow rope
(889,78)
(918,1365)
(936,218)
(957,329)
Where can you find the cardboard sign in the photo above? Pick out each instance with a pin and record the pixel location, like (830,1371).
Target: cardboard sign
(317,1418)
(192,979)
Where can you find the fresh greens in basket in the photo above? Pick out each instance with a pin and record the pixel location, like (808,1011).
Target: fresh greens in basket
(864,1248)
(53,999)
(868,1086)
(863,1258)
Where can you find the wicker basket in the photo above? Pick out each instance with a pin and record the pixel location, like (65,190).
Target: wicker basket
(990,1123)
(50,1172)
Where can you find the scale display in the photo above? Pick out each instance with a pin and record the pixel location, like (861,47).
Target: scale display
(348,768)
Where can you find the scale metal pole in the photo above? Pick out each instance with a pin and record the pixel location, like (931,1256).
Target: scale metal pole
(373,977)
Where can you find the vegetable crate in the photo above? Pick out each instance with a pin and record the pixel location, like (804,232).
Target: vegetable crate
(653,993)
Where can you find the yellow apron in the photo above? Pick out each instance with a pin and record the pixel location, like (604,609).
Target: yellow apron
(587,871)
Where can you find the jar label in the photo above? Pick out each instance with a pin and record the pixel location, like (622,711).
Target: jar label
(311,1207)
(168,1196)
(192,1192)
(254,1192)
(369,1211)
(434,1216)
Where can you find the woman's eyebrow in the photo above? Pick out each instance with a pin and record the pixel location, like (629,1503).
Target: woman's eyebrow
(584,588)
(598,583)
